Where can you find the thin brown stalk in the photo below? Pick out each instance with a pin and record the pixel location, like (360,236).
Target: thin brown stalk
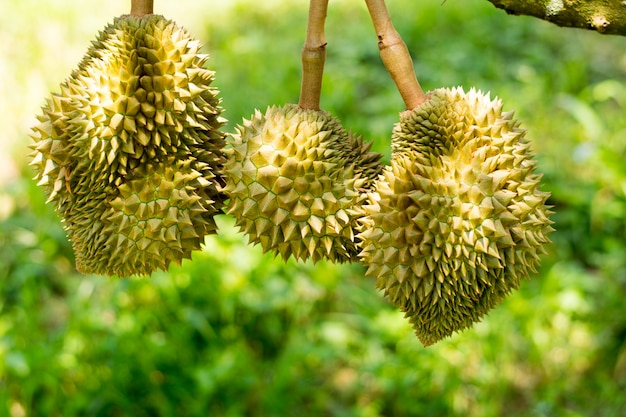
(141,7)
(313,56)
(395,55)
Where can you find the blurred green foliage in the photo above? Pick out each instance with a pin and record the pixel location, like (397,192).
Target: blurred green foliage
(236,333)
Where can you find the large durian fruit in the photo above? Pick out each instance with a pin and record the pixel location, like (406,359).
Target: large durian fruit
(130,150)
(295,178)
(458,219)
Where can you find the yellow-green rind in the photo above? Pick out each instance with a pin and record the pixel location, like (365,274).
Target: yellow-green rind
(447,119)
(159,216)
(458,219)
(294,183)
(355,152)
(144,94)
(140,97)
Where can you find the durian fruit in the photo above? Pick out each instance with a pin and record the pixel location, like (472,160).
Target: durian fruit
(458,219)
(138,117)
(294,179)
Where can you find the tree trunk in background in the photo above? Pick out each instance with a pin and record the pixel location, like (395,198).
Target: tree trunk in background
(605,16)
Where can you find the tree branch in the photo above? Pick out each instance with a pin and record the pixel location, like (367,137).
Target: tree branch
(313,56)
(605,16)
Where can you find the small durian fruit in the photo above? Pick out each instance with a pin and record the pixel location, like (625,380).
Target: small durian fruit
(458,219)
(294,177)
(139,99)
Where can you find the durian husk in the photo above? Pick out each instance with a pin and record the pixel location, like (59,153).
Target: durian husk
(140,99)
(294,179)
(458,219)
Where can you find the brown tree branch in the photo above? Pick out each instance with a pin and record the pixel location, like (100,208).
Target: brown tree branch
(604,16)
(313,56)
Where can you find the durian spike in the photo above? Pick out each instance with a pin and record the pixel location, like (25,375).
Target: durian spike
(141,8)
(395,55)
(313,56)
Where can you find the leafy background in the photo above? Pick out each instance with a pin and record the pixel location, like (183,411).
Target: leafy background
(236,333)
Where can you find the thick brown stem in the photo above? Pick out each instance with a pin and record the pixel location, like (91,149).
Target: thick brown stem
(141,7)
(395,55)
(313,56)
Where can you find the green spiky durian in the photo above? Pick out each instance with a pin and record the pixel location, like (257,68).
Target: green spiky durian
(140,99)
(294,177)
(457,220)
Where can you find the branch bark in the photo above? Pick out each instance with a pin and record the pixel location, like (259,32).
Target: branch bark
(604,16)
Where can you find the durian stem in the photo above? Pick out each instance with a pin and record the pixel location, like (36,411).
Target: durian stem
(141,7)
(395,55)
(313,56)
